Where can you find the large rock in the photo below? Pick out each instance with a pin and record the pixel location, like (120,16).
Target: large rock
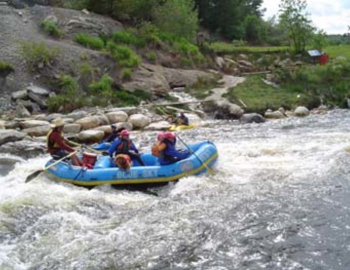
(72,128)
(37,131)
(77,115)
(162,125)
(9,135)
(91,136)
(33,123)
(116,117)
(88,122)
(252,118)
(301,111)
(274,115)
(139,121)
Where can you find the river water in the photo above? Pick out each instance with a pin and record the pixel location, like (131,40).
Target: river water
(279,199)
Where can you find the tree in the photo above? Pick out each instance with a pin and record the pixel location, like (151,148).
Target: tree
(294,19)
(177,17)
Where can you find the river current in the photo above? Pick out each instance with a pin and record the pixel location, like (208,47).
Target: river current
(279,199)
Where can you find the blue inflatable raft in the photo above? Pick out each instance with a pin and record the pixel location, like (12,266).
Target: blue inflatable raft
(105,171)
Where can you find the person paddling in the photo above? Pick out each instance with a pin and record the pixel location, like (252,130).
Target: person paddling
(165,149)
(182,119)
(114,134)
(56,144)
(124,145)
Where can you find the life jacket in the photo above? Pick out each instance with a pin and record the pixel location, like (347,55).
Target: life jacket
(123,162)
(124,146)
(158,148)
(180,121)
(51,145)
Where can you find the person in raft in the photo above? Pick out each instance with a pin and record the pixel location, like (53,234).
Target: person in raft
(182,119)
(56,144)
(165,149)
(124,145)
(114,134)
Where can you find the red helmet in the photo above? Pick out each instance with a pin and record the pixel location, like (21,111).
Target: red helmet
(124,133)
(169,135)
(160,136)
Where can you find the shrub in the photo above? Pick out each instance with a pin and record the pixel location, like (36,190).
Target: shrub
(37,54)
(152,57)
(125,56)
(102,87)
(129,38)
(89,41)
(51,29)
(5,69)
(126,73)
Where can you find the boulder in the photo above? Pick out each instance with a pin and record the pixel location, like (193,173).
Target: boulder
(10,135)
(162,125)
(139,121)
(252,118)
(91,136)
(77,115)
(88,122)
(37,131)
(72,128)
(33,123)
(274,115)
(301,111)
(117,116)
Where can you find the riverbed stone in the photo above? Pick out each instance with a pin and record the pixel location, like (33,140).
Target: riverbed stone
(91,136)
(37,131)
(301,111)
(88,122)
(33,123)
(72,128)
(10,135)
(139,121)
(116,117)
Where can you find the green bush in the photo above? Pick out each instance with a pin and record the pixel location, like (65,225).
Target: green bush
(152,57)
(51,29)
(37,54)
(125,56)
(102,87)
(89,41)
(126,73)
(5,69)
(128,37)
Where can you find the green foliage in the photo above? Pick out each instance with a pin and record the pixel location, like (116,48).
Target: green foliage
(129,38)
(226,48)
(259,97)
(177,17)
(296,22)
(203,86)
(69,98)
(102,87)
(152,57)
(341,50)
(329,83)
(319,40)
(51,29)
(255,30)
(5,69)
(125,56)
(89,41)
(37,54)
(126,74)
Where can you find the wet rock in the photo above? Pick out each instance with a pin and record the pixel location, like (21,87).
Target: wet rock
(301,111)
(252,118)
(10,135)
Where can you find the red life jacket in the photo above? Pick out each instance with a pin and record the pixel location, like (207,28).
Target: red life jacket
(124,146)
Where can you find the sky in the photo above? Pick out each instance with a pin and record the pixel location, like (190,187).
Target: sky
(332,16)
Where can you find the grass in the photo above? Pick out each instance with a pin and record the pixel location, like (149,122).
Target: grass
(258,96)
(221,47)
(340,50)
(51,28)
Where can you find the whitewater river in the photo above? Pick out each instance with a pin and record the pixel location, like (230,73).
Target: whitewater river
(279,199)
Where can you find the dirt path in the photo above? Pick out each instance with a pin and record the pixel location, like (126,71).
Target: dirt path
(228,82)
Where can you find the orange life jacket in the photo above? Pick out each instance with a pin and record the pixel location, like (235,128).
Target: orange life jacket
(158,148)
(123,162)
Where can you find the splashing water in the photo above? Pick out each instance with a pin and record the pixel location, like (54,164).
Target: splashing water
(279,199)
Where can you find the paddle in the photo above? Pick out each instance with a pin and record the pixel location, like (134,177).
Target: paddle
(36,173)
(192,152)
(104,153)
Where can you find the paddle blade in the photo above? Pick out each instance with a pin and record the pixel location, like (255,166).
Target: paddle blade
(33,175)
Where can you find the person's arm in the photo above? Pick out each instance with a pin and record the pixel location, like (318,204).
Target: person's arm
(113,147)
(171,151)
(133,147)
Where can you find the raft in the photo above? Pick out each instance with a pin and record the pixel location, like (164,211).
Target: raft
(104,171)
(181,127)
